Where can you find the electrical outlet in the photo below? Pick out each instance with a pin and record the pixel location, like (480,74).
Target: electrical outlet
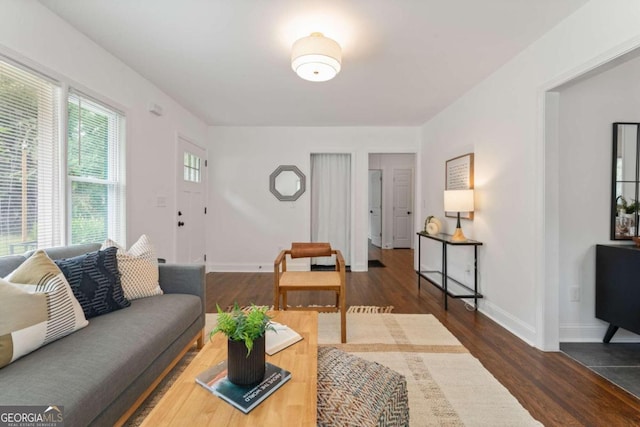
(468,269)
(574,294)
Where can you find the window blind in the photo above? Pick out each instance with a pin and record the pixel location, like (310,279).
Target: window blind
(29,158)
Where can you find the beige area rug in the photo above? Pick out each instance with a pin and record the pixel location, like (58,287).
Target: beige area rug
(447,386)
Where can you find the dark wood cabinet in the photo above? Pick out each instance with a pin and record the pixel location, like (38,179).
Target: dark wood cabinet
(618,287)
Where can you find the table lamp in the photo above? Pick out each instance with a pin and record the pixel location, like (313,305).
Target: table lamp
(458,201)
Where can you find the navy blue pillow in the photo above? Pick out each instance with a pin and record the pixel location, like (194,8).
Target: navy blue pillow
(95,281)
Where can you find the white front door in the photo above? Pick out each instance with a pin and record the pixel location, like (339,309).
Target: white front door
(402,208)
(190,215)
(375,207)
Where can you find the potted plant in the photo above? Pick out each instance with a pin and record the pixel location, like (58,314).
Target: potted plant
(631,208)
(245,331)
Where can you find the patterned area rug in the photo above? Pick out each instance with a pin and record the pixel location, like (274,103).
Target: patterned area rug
(351,309)
(369,309)
(446,385)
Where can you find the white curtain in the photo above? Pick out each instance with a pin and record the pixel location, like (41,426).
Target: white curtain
(331,203)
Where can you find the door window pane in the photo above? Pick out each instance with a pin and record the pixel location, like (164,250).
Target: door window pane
(191,167)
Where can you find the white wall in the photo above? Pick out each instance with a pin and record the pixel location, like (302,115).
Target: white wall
(387,163)
(33,35)
(502,121)
(587,111)
(249,226)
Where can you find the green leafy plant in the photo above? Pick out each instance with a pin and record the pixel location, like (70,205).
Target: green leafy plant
(243,325)
(632,207)
(621,204)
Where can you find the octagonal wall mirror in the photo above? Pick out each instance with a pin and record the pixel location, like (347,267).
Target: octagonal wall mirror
(287,183)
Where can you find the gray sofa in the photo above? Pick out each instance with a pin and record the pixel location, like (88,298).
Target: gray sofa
(100,372)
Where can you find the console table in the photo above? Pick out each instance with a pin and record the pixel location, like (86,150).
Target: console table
(440,279)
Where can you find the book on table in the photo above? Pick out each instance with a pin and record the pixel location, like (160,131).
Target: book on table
(244,398)
(280,338)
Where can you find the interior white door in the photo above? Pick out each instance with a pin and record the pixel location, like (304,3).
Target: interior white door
(375,207)
(190,215)
(402,208)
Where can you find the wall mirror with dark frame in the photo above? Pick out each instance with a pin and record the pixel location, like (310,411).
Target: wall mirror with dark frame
(287,183)
(625,181)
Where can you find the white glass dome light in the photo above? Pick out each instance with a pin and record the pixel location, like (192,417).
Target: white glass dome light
(316,58)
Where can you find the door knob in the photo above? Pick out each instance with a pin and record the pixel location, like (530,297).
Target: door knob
(179,213)
(180,224)
(409,213)
(370,211)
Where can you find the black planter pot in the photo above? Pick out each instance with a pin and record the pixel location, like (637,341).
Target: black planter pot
(243,369)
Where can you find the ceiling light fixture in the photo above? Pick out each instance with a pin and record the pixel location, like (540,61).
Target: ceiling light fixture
(316,58)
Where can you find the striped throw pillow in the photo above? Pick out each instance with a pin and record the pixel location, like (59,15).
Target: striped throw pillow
(37,307)
(138,268)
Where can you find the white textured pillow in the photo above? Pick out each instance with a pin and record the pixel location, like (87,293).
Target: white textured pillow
(138,268)
(37,307)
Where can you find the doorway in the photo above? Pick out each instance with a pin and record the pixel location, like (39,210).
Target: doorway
(375,218)
(391,190)
(375,207)
(190,194)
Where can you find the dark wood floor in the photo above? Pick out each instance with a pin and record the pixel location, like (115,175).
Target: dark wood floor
(556,390)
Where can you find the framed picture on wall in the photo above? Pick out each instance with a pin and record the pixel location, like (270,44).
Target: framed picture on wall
(459,176)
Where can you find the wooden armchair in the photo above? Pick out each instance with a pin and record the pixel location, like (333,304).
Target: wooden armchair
(334,281)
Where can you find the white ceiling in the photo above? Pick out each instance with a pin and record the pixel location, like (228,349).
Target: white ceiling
(228,61)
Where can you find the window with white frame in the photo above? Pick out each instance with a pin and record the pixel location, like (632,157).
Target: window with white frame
(191,167)
(35,182)
(95,190)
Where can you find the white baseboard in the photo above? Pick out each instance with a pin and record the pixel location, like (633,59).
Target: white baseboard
(264,268)
(522,330)
(360,267)
(250,268)
(594,333)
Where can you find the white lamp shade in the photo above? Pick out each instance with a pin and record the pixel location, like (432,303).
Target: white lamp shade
(316,58)
(458,200)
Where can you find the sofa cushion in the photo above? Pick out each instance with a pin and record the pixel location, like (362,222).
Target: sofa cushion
(9,263)
(138,268)
(95,281)
(37,307)
(90,369)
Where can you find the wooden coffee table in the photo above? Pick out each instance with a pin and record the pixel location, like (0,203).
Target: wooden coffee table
(294,404)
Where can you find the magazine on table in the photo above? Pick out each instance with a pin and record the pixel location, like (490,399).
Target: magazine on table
(280,338)
(244,398)
(212,375)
